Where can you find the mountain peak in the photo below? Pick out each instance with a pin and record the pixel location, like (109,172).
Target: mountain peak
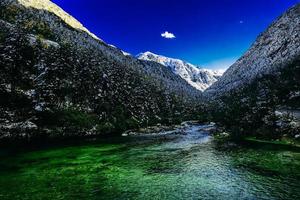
(160,58)
(51,7)
(145,55)
(197,77)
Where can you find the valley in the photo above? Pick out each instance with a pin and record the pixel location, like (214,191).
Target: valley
(82,119)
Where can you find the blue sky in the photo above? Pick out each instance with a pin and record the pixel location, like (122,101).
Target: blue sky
(210,33)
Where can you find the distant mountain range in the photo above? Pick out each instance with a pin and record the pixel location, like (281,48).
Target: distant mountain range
(197,77)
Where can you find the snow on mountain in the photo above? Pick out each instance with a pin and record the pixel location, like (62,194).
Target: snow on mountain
(199,78)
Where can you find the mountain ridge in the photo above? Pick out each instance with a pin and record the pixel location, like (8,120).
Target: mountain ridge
(57,80)
(197,77)
(259,95)
(273,49)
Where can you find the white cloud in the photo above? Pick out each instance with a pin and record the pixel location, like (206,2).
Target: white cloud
(168,35)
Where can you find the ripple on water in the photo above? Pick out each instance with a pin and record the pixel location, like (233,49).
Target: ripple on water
(188,166)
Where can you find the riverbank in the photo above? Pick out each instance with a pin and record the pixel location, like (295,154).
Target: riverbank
(160,129)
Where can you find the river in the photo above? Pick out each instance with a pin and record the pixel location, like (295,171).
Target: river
(185,164)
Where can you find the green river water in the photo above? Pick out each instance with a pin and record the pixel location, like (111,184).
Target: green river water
(185,165)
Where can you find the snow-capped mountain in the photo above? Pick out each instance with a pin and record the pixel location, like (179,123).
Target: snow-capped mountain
(273,50)
(197,77)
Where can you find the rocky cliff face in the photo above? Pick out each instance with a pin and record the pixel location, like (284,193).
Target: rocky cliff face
(274,49)
(58,79)
(197,77)
(255,92)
